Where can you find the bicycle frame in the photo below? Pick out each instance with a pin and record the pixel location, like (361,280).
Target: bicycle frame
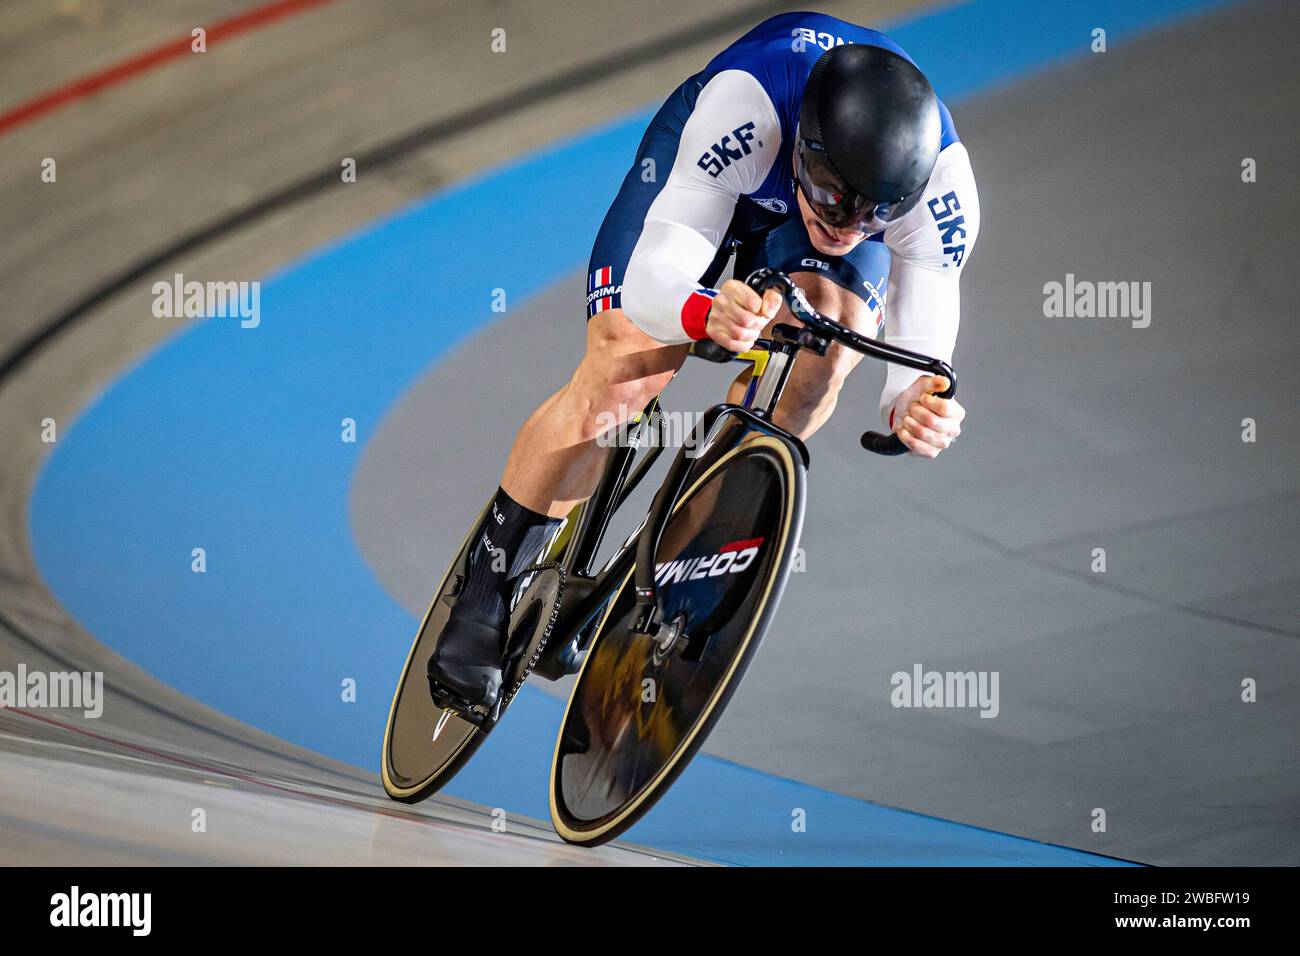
(587,591)
(771,362)
(561,603)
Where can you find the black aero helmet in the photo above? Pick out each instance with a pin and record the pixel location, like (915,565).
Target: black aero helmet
(869,134)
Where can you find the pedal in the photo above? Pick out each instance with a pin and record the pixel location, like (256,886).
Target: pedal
(531,621)
(447,699)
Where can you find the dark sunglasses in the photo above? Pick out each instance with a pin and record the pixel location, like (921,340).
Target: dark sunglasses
(832,200)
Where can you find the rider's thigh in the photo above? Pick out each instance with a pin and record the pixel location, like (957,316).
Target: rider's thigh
(623,367)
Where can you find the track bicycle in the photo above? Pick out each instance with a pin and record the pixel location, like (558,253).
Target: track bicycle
(660,635)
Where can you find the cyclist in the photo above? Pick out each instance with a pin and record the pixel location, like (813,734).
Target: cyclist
(810,145)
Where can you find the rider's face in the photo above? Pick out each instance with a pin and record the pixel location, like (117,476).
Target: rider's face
(828,240)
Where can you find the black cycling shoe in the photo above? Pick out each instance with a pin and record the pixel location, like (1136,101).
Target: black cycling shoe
(468,658)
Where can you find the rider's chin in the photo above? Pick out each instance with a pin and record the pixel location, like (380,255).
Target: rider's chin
(837,240)
(839,245)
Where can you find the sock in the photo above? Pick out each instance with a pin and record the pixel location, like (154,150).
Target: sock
(507,541)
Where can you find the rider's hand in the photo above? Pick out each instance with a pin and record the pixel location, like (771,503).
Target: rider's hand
(925,423)
(738,315)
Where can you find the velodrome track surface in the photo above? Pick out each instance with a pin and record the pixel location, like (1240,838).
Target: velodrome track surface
(1132,451)
(1112,696)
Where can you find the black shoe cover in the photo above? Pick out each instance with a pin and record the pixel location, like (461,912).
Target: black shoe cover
(467,660)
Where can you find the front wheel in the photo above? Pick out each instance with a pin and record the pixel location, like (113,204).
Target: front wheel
(642,706)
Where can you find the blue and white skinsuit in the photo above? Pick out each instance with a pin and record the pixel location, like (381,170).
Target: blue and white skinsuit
(713,177)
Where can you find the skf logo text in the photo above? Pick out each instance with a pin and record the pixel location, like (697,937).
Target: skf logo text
(722,154)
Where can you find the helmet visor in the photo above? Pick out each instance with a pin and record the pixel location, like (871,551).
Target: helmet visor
(832,200)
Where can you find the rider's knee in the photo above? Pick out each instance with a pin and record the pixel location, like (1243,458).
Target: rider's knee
(816,287)
(622,397)
(833,300)
(818,379)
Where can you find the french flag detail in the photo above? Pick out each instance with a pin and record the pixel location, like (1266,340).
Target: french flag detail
(695,313)
(602,294)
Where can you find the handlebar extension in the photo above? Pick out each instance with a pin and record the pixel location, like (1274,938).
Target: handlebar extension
(763,279)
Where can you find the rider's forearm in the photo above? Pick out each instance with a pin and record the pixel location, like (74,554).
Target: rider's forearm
(930,245)
(923,314)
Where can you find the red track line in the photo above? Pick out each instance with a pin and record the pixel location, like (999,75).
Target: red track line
(143,62)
